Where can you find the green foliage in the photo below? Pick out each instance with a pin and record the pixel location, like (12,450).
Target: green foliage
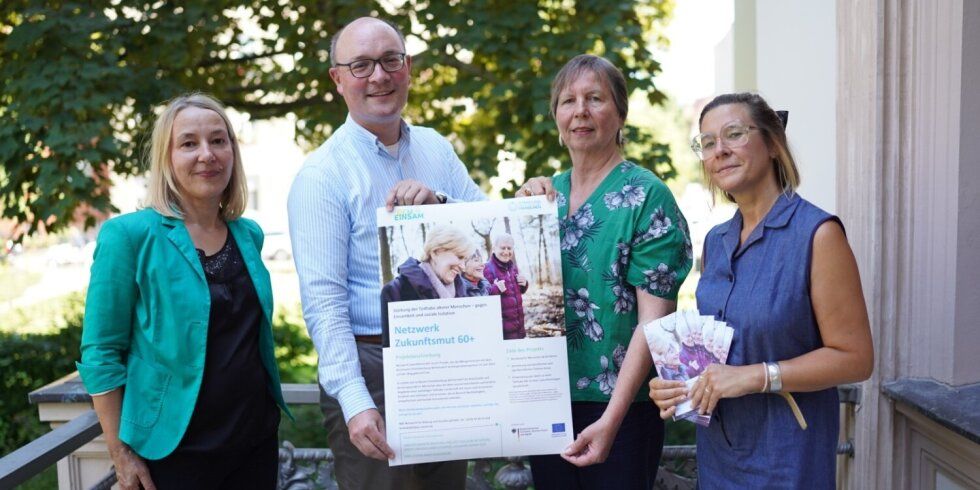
(78,81)
(294,350)
(30,362)
(308,430)
(45,480)
(297,364)
(679,433)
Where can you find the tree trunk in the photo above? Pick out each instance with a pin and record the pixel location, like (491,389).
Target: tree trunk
(386,238)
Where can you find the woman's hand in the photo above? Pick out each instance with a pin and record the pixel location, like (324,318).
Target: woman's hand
(501,285)
(131,470)
(667,394)
(722,381)
(537,186)
(592,445)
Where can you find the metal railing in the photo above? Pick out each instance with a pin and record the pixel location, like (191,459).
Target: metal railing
(37,455)
(305,468)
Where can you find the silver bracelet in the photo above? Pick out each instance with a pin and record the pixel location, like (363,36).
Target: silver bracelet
(775,377)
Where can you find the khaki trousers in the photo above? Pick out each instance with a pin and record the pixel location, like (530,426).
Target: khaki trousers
(354,471)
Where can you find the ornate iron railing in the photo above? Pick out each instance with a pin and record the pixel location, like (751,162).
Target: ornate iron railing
(309,469)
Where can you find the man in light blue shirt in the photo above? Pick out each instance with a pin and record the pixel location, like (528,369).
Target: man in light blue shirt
(374,159)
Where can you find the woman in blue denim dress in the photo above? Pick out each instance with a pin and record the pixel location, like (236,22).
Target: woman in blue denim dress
(782,274)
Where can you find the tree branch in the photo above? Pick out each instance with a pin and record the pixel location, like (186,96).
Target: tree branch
(448,60)
(241,59)
(276,107)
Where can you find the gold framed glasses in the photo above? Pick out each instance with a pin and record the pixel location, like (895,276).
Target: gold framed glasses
(733,135)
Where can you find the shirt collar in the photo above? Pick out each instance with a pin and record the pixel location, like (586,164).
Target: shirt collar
(777,217)
(363,135)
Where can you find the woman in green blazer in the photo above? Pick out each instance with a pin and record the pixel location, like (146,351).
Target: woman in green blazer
(177,342)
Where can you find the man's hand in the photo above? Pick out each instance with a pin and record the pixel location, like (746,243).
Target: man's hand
(409,192)
(367,434)
(131,470)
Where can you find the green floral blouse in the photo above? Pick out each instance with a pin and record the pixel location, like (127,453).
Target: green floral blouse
(628,234)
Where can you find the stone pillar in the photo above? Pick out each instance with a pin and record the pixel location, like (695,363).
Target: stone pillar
(57,403)
(908,131)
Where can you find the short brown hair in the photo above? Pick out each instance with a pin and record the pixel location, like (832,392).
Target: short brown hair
(604,70)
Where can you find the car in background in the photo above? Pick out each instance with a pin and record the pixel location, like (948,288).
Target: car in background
(277,246)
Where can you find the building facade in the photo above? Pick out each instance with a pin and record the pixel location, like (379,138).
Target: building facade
(885,121)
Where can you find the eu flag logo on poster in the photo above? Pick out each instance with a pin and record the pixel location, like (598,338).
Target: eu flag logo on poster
(557,428)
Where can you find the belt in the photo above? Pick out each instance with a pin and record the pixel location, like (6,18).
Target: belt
(368,339)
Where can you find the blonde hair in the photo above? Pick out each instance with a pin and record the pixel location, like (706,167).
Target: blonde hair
(773,130)
(446,238)
(163,194)
(660,342)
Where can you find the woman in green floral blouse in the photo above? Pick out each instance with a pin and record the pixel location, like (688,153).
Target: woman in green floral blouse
(625,252)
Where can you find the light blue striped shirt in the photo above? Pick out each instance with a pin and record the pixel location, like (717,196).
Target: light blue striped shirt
(334,233)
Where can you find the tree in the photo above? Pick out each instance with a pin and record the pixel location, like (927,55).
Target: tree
(79,81)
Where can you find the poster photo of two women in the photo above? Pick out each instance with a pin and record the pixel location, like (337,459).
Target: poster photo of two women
(508,249)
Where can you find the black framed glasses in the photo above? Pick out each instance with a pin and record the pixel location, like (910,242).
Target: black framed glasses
(365,67)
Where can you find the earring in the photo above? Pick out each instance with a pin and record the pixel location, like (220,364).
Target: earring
(619,137)
(560,142)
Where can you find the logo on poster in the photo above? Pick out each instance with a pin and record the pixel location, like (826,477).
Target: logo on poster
(407,214)
(523,204)
(558,428)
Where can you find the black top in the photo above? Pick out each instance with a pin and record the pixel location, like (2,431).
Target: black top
(234,406)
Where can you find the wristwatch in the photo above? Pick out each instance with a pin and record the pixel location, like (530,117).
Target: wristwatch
(441,197)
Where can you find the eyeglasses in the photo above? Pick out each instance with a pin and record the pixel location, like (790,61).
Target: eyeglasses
(734,135)
(365,68)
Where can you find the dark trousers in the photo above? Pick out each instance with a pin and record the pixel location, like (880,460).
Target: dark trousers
(353,470)
(250,467)
(632,461)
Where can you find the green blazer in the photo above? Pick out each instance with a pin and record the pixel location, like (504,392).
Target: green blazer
(146,324)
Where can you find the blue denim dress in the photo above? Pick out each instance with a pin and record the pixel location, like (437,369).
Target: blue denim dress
(762,289)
